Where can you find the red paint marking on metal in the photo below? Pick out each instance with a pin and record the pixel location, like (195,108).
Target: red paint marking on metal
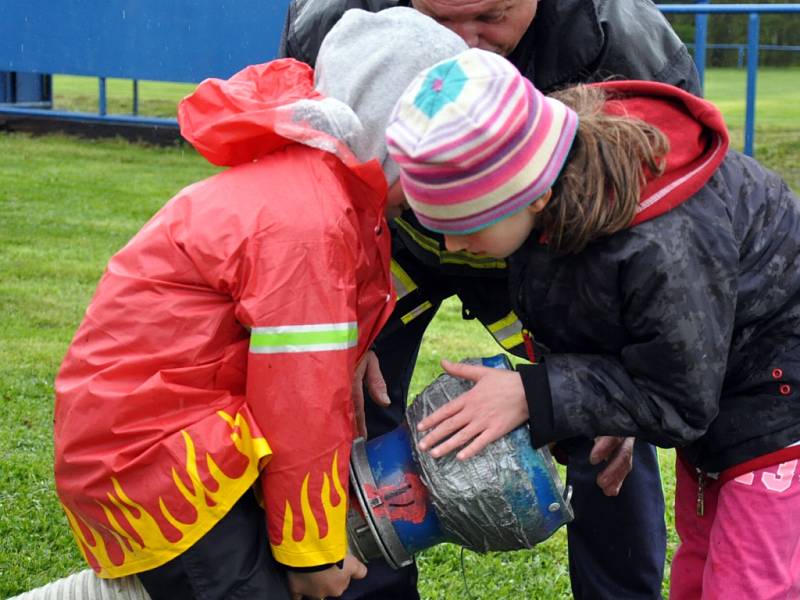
(406,500)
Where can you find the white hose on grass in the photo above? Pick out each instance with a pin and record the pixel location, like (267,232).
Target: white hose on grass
(88,586)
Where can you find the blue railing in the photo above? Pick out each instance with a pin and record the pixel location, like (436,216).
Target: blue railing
(741,49)
(702,9)
(188,40)
(177,40)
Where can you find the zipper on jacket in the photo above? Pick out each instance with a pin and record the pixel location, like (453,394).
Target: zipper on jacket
(701,485)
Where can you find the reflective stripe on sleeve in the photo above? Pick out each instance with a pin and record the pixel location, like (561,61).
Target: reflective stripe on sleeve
(303,338)
(507,331)
(403,284)
(414,313)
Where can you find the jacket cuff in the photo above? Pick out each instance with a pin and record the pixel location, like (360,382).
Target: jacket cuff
(540,403)
(314,569)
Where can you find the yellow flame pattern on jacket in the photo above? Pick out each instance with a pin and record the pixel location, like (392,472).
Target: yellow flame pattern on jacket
(312,549)
(153,549)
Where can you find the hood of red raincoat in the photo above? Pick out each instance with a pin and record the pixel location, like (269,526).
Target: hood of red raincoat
(698,139)
(260,110)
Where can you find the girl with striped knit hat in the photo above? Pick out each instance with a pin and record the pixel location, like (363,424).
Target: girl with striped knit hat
(660,270)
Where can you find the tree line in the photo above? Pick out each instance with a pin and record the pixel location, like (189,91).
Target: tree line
(780,29)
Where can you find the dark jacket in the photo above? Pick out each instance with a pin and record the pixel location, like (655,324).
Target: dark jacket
(683,330)
(570,41)
(595,39)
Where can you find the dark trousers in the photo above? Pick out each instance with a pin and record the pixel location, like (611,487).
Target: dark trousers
(617,545)
(230,562)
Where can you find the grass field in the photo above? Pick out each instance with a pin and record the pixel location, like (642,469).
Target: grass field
(68,204)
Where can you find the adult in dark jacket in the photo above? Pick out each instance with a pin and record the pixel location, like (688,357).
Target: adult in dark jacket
(553,43)
(662,272)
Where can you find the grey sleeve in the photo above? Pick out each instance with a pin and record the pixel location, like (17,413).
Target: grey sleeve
(641,44)
(284,47)
(307,23)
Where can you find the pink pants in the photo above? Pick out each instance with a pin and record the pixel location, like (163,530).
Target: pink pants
(747,544)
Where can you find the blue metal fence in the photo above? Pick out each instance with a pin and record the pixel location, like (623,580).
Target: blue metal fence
(30,90)
(176,40)
(741,50)
(702,9)
(189,40)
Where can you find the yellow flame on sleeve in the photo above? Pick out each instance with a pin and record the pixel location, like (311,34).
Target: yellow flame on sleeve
(153,548)
(312,549)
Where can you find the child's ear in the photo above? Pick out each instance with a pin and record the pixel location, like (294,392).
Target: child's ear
(538,205)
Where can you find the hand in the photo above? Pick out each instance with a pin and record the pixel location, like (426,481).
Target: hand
(369,371)
(618,452)
(329,582)
(495,406)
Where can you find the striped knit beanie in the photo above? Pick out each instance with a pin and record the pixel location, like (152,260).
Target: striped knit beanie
(476,142)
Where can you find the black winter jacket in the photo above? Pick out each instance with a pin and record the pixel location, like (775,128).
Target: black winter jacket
(683,330)
(570,41)
(593,39)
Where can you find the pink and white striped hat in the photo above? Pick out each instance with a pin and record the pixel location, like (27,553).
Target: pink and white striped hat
(476,142)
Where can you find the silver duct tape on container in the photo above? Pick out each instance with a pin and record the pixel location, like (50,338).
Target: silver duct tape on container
(507,497)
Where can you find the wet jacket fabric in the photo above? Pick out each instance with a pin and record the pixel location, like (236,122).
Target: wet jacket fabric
(569,41)
(219,349)
(601,39)
(683,330)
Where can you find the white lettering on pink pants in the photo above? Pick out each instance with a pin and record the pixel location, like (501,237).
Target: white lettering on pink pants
(780,481)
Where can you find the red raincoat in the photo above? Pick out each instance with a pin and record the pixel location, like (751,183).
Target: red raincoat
(220,345)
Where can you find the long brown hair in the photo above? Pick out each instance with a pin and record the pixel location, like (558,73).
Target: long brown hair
(599,187)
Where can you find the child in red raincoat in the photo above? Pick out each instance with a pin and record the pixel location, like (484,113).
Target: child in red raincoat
(219,350)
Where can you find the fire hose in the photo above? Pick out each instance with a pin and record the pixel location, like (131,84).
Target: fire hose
(507,497)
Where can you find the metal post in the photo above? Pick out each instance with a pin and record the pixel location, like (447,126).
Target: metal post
(5,88)
(101,100)
(135,96)
(752,70)
(700,39)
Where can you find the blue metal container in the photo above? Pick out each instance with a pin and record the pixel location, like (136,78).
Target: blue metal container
(507,497)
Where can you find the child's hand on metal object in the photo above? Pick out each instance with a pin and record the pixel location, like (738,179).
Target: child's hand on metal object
(492,408)
(368,372)
(618,452)
(328,582)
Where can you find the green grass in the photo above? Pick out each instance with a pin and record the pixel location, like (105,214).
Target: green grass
(68,204)
(777,132)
